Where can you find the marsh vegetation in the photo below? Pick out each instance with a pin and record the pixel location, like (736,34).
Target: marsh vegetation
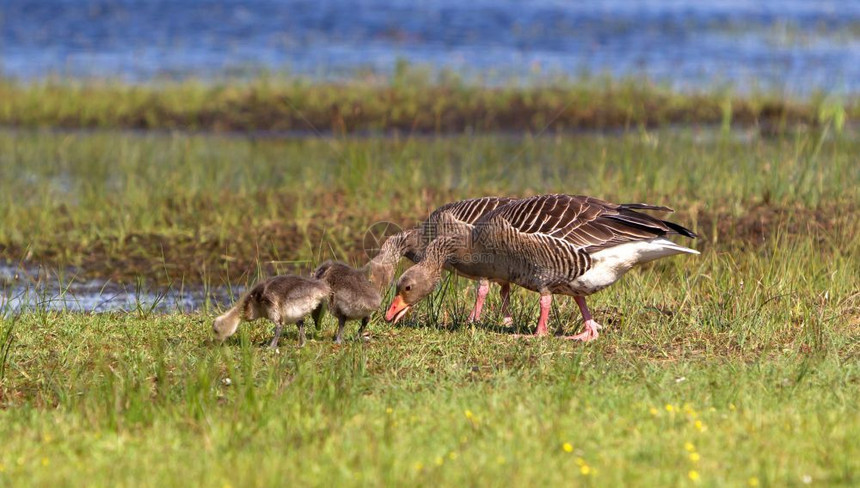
(735,368)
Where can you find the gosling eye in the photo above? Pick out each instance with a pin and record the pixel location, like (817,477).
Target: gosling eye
(408,287)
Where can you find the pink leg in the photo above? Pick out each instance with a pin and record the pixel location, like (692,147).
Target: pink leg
(505,293)
(545,305)
(483,289)
(591,327)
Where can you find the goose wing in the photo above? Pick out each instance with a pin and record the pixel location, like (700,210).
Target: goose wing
(455,218)
(586,223)
(469,211)
(552,237)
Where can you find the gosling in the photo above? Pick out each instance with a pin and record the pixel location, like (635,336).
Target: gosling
(283,300)
(353,296)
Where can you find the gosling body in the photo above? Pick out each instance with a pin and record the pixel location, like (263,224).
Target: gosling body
(282,299)
(353,295)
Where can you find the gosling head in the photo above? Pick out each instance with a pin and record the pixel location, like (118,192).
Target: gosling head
(412,287)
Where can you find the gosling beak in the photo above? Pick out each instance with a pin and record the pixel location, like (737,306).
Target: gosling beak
(397,309)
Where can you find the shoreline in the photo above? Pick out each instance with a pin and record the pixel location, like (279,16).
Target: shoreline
(409,103)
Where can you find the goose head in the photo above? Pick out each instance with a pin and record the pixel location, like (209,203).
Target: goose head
(412,287)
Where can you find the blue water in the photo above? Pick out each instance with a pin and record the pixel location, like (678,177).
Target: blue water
(792,45)
(39,289)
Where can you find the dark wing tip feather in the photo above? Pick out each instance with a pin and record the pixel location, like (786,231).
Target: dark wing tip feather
(674,228)
(680,229)
(645,206)
(650,224)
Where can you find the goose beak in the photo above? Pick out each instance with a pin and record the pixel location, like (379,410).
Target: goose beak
(397,309)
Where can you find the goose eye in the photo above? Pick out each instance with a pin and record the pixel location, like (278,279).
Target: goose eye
(408,287)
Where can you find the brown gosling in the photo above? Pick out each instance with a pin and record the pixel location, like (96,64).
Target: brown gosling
(357,292)
(353,295)
(282,299)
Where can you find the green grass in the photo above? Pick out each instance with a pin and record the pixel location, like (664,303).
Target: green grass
(749,353)
(750,362)
(412,101)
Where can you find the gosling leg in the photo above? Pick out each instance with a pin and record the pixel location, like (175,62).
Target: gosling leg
(364,322)
(317,315)
(301,326)
(279,327)
(341,322)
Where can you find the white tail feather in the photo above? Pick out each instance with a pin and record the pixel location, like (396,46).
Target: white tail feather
(610,264)
(669,245)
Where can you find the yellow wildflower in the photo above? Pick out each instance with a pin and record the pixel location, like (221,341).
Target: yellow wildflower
(500,459)
(585,470)
(45,461)
(753,481)
(689,447)
(389,410)
(419,466)
(669,407)
(732,407)
(699,426)
(469,414)
(693,475)
(567,447)
(653,411)
(694,456)
(439,461)
(452,455)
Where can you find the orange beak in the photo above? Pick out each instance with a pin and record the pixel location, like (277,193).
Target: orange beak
(397,309)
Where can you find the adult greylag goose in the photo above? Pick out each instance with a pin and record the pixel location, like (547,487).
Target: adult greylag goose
(551,244)
(458,217)
(282,299)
